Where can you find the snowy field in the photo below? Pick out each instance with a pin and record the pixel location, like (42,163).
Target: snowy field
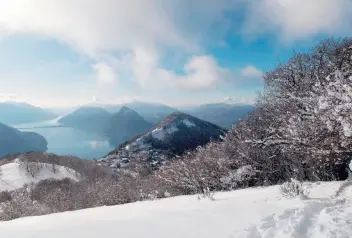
(254,212)
(14,175)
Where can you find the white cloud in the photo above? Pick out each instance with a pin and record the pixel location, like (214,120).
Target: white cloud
(138,31)
(96,99)
(108,100)
(300,19)
(251,72)
(200,72)
(239,100)
(133,37)
(94,26)
(105,73)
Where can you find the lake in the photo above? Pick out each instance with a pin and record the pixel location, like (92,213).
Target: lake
(70,141)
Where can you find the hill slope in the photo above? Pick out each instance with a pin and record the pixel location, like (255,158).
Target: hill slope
(221,114)
(267,214)
(125,125)
(15,175)
(15,141)
(12,113)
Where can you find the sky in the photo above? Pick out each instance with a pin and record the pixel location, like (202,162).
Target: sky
(63,53)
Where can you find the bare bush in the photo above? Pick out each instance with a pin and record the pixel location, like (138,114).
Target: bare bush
(293,189)
(197,171)
(32,168)
(5,196)
(21,205)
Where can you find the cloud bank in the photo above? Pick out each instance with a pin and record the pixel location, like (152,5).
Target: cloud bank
(133,37)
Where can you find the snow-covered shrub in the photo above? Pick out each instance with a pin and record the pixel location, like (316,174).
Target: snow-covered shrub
(207,194)
(301,127)
(197,171)
(5,196)
(292,189)
(240,178)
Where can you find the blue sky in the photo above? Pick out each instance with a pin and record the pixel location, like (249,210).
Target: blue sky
(62,53)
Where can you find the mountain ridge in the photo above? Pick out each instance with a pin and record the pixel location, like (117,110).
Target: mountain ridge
(12,113)
(221,114)
(15,141)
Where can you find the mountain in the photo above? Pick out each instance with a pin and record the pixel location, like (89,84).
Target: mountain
(92,119)
(176,134)
(125,125)
(12,113)
(15,141)
(152,112)
(222,114)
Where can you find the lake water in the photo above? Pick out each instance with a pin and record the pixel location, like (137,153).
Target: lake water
(71,141)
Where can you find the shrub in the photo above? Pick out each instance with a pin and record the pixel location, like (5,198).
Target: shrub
(293,189)
(5,196)
(21,205)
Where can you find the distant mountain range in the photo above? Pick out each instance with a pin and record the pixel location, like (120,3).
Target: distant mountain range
(176,134)
(222,114)
(120,123)
(118,127)
(15,141)
(152,112)
(12,113)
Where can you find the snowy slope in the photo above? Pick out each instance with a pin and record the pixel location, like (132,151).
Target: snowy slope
(255,212)
(14,176)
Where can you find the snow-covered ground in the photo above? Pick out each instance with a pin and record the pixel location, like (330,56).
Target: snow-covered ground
(254,212)
(14,175)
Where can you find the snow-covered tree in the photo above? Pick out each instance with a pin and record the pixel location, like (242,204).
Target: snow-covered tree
(302,124)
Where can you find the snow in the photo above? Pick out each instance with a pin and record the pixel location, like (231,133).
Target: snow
(158,134)
(188,123)
(14,176)
(171,129)
(138,144)
(254,212)
(347,128)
